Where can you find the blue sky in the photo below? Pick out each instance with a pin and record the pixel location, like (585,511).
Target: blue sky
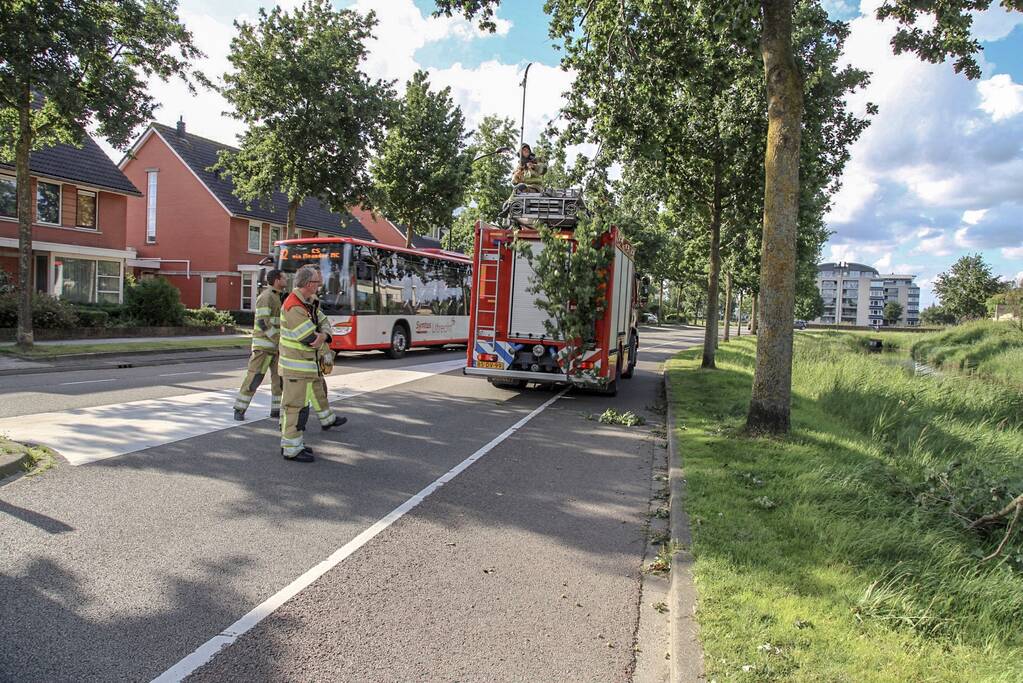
(938,174)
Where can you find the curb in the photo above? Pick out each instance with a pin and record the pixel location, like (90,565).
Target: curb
(686,650)
(16,466)
(134,359)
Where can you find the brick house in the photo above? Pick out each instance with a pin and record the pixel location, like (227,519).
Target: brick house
(79,206)
(188,225)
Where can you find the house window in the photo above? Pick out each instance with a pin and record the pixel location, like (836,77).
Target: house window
(151,208)
(86,280)
(255,238)
(275,234)
(8,197)
(86,210)
(108,282)
(48,203)
(248,290)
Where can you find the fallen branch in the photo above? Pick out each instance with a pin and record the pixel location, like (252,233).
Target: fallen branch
(1008,534)
(1015,504)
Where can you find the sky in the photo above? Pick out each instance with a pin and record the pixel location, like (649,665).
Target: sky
(938,174)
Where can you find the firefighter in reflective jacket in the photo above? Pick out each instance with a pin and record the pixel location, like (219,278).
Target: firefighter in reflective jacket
(265,333)
(303,336)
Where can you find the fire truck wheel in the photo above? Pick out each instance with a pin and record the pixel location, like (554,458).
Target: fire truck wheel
(633,350)
(399,341)
(507,383)
(611,388)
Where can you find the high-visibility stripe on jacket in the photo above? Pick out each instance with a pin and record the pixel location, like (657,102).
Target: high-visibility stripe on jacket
(266,327)
(297,358)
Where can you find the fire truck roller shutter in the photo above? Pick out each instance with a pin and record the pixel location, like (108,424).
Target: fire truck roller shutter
(527,319)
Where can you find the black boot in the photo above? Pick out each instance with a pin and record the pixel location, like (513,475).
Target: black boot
(306,455)
(239,415)
(338,421)
(275,413)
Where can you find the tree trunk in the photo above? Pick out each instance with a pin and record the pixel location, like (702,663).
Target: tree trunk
(408,236)
(770,403)
(710,333)
(728,305)
(25,336)
(292,229)
(754,316)
(738,328)
(660,303)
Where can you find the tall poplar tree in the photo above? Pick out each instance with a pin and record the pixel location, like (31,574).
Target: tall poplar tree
(66,65)
(489,181)
(420,173)
(312,113)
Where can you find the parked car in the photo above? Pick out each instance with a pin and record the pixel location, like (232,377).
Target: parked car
(650,318)
(799,325)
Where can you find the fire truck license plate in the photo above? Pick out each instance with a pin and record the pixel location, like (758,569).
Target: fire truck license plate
(493,364)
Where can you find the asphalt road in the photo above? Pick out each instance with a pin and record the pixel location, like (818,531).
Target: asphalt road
(525,566)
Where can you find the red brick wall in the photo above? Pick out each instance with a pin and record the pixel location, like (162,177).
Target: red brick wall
(111,221)
(190,222)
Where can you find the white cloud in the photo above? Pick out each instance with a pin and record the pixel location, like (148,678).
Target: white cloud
(995,23)
(1013,252)
(883,262)
(1000,97)
(974,217)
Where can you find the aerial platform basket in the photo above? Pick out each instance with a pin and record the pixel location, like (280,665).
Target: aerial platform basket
(557,208)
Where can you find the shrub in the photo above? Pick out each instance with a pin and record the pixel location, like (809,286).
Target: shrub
(207,317)
(155,302)
(244,318)
(7,282)
(47,312)
(91,317)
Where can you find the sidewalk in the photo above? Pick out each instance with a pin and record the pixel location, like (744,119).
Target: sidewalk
(126,352)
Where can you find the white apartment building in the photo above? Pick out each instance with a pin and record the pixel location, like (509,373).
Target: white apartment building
(855,294)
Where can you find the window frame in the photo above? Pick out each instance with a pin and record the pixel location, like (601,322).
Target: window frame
(14,182)
(95,209)
(248,239)
(152,184)
(60,203)
(249,275)
(280,233)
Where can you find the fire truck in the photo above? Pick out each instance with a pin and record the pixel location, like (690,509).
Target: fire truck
(509,342)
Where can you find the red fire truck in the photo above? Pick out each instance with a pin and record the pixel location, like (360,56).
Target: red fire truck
(508,341)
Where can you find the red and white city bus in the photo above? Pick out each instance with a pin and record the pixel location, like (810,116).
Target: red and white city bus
(382,297)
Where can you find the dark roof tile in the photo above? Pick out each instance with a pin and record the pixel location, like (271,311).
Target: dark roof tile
(88,165)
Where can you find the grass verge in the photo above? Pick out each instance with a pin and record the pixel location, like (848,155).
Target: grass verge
(57,350)
(839,553)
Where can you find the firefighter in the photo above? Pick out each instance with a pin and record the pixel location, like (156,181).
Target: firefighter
(304,337)
(529,170)
(265,333)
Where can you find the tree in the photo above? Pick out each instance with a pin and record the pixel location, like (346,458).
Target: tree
(312,114)
(810,306)
(933,29)
(65,65)
(420,174)
(489,182)
(892,313)
(936,315)
(964,290)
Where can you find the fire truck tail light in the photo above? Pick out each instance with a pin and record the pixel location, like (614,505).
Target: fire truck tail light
(586,365)
(488,357)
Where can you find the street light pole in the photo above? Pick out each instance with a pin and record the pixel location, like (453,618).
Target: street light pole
(522,129)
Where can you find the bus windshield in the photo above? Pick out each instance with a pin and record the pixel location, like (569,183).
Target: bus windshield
(332,259)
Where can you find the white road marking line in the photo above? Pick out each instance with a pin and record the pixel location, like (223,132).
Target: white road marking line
(87,381)
(85,435)
(176,374)
(212,647)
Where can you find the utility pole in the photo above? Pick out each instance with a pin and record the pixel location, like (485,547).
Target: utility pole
(522,129)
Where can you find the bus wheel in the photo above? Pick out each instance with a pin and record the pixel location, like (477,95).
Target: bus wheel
(633,350)
(399,341)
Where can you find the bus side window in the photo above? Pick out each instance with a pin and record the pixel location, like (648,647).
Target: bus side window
(366,298)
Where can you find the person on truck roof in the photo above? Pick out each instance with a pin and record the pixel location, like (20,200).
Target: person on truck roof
(529,171)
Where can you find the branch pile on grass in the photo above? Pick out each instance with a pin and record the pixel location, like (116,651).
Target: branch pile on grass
(1015,507)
